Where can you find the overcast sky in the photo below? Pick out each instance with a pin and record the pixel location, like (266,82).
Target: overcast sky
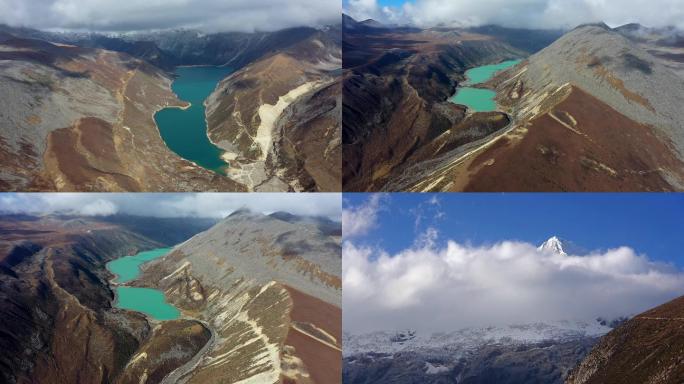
(138,15)
(215,205)
(519,13)
(440,280)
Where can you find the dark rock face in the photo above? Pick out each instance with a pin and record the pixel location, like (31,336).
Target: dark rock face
(543,363)
(645,349)
(56,314)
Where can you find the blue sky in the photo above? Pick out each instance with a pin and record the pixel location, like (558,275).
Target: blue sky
(651,224)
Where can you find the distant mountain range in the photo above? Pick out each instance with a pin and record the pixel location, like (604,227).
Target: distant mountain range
(519,353)
(591,109)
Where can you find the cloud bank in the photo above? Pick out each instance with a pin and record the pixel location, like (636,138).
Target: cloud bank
(135,15)
(360,219)
(522,13)
(215,205)
(445,285)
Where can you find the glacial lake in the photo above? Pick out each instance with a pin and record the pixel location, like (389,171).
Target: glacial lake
(147,300)
(478,99)
(185,130)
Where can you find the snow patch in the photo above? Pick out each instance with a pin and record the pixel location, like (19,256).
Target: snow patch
(435,369)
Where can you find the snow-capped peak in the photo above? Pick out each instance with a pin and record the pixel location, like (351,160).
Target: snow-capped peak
(561,247)
(553,244)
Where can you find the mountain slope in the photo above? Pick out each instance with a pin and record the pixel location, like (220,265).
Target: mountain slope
(645,349)
(596,110)
(396,117)
(523,353)
(592,112)
(79,119)
(56,306)
(278,117)
(269,291)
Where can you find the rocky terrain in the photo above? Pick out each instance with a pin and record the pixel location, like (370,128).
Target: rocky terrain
(594,111)
(645,349)
(56,304)
(78,119)
(269,290)
(395,90)
(524,353)
(278,118)
(259,299)
(597,110)
(70,91)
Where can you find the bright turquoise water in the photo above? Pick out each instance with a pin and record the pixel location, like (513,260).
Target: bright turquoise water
(127,268)
(481,74)
(185,130)
(477,99)
(146,300)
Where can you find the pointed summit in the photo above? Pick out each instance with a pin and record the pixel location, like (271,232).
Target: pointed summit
(553,244)
(561,246)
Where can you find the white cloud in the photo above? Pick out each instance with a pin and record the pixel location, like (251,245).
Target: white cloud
(443,289)
(172,204)
(523,13)
(98,207)
(358,220)
(210,15)
(364,9)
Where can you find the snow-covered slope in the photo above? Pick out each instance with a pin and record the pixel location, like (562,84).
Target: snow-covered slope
(562,247)
(468,339)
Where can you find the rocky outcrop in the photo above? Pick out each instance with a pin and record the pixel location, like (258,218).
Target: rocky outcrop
(645,349)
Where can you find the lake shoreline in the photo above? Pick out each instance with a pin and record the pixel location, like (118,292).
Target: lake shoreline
(473,94)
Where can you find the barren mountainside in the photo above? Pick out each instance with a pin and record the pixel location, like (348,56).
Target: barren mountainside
(592,112)
(55,295)
(395,110)
(80,119)
(80,106)
(645,349)
(259,298)
(269,290)
(278,118)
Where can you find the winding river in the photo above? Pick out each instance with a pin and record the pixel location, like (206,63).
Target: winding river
(479,99)
(185,130)
(147,300)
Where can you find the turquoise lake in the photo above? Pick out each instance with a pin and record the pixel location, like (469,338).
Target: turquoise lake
(478,99)
(147,300)
(185,130)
